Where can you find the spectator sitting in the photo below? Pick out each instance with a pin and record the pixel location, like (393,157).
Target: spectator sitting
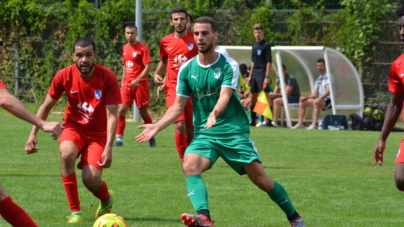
(292,92)
(319,99)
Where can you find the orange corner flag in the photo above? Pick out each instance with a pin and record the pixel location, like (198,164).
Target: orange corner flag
(262,106)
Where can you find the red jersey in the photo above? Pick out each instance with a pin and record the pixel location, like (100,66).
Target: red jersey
(2,85)
(396,77)
(176,51)
(87,99)
(134,58)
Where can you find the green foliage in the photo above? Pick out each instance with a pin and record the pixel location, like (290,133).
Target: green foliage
(44,31)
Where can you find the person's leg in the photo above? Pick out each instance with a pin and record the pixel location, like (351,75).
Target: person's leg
(181,140)
(317,106)
(189,123)
(12,212)
(276,192)
(123,109)
(68,154)
(144,113)
(302,109)
(277,103)
(92,172)
(194,165)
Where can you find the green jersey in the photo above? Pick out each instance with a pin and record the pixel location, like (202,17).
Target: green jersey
(203,84)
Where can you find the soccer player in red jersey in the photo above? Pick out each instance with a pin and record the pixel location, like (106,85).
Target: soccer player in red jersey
(135,85)
(89,125)
(396,86)
(175,50)
(9,210)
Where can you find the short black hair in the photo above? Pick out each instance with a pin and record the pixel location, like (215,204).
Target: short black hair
(243,67)
(131,26)
(284,67)
(190,17)
(178,10)
(207,20)
(400,12)
(84,42)
(320,60)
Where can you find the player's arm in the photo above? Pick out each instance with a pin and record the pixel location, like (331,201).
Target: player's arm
(42,113)
(392,114)
(144,74)
(150,130)
(10,103)
(225,94)
(161,68)
(123,75)
(112,119)
(247,81)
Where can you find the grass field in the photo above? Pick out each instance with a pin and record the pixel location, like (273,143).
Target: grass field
(326,173)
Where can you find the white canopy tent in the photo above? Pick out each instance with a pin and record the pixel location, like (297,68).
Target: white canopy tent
(346,87)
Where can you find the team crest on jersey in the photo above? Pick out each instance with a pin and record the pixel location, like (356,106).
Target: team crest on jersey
(190,46)
(258,52)
(134,54)
(98,94)
(217,71)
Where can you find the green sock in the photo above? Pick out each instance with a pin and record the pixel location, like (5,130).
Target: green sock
(280,197)
(261,118)
(197,192)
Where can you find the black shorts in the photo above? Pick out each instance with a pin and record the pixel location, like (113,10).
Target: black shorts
(256,84)
(327,104)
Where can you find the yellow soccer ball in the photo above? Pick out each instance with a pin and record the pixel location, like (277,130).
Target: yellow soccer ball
(110,220)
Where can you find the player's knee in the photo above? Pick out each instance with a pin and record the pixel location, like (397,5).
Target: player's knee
(91,183)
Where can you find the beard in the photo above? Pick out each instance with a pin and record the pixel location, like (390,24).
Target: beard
(180,31)
(85,72)
(207,48)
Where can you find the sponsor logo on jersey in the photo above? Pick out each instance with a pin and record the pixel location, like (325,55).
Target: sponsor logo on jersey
(86,107)
(98,94)
(134,54)
(258,52)
(129,64)
(217,73)
(190,46)
(179,59)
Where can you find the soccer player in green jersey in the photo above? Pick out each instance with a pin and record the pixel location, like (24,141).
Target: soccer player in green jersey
(221,126)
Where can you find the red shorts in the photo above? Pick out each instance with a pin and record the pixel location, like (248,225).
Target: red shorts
(400,156)
(90,147)
(186,115)
(140,93)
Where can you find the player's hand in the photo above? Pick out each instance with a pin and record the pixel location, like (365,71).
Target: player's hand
(246,102)
(265,86)
(378,152)
(160,88)
(158,79)
(133,83)
(247,80)
(30,145)
(53,127)
(211,120)
(150,130)
(106,158)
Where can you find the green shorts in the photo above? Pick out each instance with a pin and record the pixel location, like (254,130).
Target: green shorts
(235,151)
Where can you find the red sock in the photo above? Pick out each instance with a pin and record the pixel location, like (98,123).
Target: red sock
(72,193)
(182,143)
(148,120)
(121,125)
(103,193)
(14,214)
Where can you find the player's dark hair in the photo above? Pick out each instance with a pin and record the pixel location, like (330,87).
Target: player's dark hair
(178,10)
(84,42)
(190,18)
(243,68)
(131,26)
(284,67)
(400,12)
(207,20)
(258,27)
(320,60)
